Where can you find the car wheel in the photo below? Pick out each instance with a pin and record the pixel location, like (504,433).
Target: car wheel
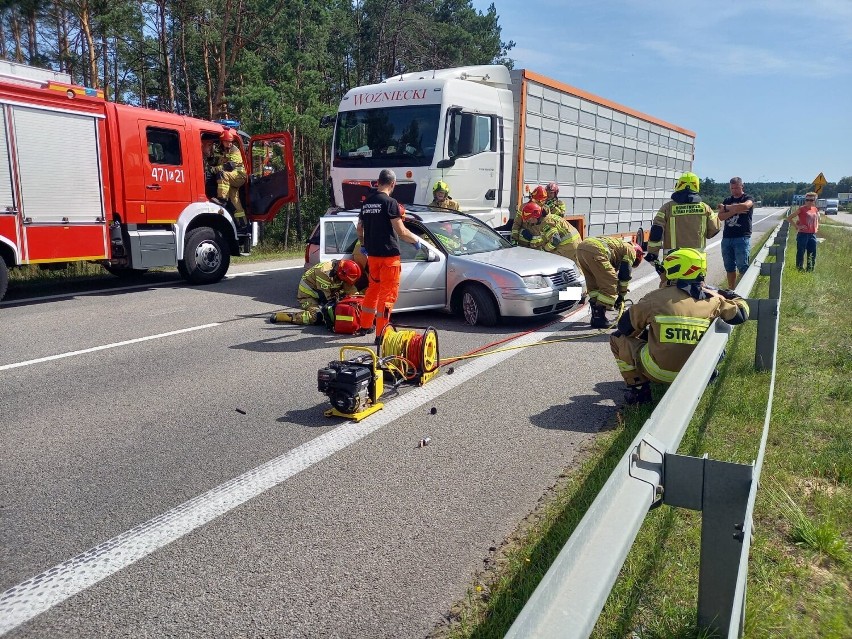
(4,277)
(205,256)
(478,307)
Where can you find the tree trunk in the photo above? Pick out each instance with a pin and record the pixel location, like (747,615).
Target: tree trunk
(164,48)
(62,40)
(32,41)
(185,69)
(86,29)
(205,50)
(105,50)
(15,25)
(2,36)
(219,103)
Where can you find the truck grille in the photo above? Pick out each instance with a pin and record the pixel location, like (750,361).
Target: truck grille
(563,278)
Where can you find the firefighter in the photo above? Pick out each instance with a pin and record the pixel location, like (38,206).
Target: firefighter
(607,263)
(231,175)
(525,227)
(557,235)
(553,204)
(447,236)
(322,284)
(675,317)
(441,197)
(683,222)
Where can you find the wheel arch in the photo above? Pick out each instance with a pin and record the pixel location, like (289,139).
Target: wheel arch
(458,291)
(205,214)
(9,253)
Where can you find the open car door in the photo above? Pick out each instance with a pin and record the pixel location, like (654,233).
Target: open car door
(272,175)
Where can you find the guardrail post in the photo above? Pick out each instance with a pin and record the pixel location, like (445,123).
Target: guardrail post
(720,490)
(766,314)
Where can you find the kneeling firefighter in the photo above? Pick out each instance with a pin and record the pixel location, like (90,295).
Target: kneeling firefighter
(322,284)
(657,335)
(607,264)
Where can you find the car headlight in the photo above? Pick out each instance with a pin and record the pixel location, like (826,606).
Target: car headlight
(536,281)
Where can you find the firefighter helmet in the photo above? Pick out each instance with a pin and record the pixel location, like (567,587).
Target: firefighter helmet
(440,185)
(227,136)
(531,211)
(639,254)
(685,264)
(539,194)
(688,181)
(553,187)
(348,271)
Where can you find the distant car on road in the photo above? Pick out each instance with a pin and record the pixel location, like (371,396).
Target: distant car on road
(475,273)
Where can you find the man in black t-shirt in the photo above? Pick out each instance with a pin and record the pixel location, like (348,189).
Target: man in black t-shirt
(736,212)
(380,228)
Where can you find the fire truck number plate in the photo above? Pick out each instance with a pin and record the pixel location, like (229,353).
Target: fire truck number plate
(168,175)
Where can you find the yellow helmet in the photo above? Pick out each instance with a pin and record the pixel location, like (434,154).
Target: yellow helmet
(688,180)
(685,264)
(440,185)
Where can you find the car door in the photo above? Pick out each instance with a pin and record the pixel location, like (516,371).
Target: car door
(422,284)
(272,176)
(164,171)
(337,238)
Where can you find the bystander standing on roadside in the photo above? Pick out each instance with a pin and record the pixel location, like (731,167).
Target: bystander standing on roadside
(807,224)
(736,213)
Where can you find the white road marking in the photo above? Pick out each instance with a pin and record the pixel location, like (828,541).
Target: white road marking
(136,287)
(34,596)
(104,347)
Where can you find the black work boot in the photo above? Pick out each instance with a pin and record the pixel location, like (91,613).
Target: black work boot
(598,317)
(636,395)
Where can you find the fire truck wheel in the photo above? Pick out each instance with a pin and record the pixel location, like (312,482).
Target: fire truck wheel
(4,278)
(205,256)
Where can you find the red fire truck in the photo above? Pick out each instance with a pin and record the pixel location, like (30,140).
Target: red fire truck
(83,179)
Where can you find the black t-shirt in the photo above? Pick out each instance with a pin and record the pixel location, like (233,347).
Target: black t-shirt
(738,225)
(377,211)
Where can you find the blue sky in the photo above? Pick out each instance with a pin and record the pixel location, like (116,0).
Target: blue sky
(766,85)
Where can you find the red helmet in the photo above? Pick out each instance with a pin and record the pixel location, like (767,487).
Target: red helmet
(539,194)
(531,211)
(227,135)
(639,254)
(553,187)
(348,271)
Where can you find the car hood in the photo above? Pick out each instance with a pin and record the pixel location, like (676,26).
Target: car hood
(521,260)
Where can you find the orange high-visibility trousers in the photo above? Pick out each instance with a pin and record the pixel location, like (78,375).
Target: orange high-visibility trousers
(381,292)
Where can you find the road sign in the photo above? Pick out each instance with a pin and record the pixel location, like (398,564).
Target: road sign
(819,182)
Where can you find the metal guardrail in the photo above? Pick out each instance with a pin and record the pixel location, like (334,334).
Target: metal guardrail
(571,595)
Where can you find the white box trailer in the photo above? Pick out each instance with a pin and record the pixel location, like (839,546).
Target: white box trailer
(492,135)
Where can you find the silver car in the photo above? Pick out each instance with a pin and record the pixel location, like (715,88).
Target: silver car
(475,272)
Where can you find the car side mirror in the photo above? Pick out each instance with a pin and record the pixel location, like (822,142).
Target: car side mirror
(445,164)
(327,121)
(433,256)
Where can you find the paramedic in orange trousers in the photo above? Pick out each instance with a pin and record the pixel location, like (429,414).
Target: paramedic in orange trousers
(380,227)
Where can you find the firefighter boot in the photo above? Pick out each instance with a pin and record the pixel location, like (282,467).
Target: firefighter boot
(598,316)
(636,395)
(281,316)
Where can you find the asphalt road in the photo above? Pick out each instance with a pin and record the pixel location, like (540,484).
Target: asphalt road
(168,472)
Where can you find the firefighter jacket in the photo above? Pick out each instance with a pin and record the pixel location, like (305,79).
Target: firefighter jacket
(555,206)
(676,321)
(448,204)
(533,226)
(603,261)
(683,222)
(557,235)
(233,156)
(319,284)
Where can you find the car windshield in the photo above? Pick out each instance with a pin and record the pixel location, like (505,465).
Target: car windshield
(389,137)
(466,237)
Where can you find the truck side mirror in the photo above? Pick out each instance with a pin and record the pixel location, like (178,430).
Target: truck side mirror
(327,121)
(445,164)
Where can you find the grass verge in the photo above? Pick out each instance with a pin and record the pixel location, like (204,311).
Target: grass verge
(800,573)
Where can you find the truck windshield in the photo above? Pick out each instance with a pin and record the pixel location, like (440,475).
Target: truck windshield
(391,137)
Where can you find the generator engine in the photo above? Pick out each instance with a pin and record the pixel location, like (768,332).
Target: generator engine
(349,384)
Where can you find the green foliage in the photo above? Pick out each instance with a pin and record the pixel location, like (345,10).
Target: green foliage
(271,65)
(770,193)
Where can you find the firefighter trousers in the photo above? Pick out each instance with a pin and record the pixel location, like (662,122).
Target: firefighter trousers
(382,291)
(601,278)
(628,355)
(228,187)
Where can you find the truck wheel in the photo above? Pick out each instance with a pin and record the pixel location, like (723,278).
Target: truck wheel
(478,307)
(205,256)
(4,278)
